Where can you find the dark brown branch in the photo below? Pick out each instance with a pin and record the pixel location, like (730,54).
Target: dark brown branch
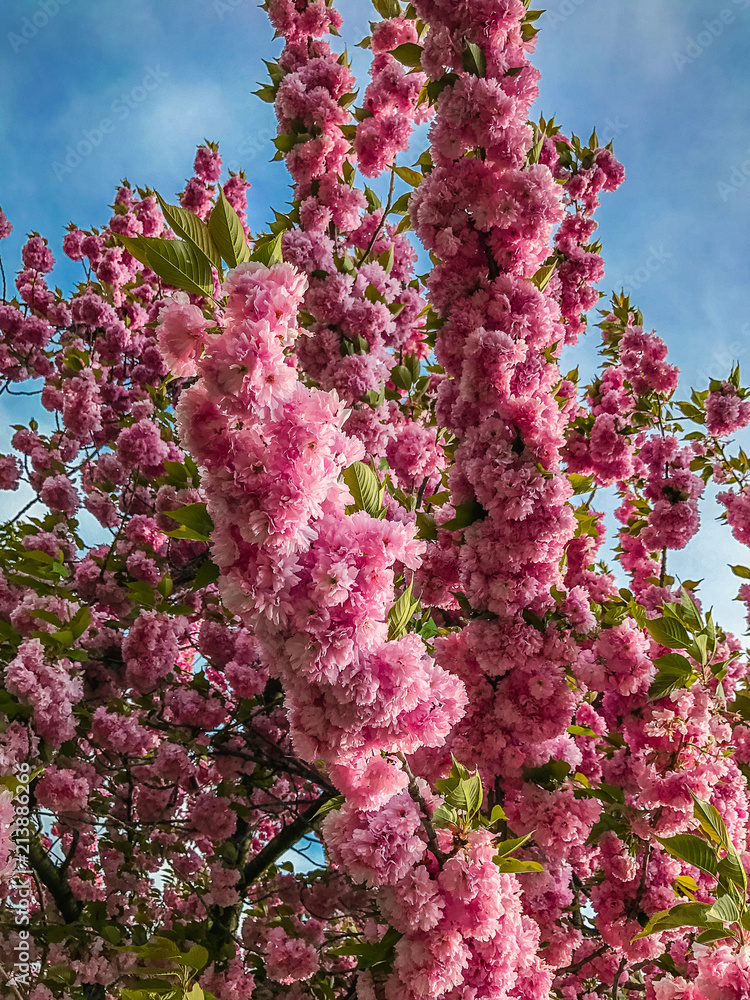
(571,970)
(225,919)
(55,882)
(618,976)
(284,840)
(427,821)
(69,907)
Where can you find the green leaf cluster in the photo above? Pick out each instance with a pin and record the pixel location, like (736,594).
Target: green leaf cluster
(186,262)
(716,855)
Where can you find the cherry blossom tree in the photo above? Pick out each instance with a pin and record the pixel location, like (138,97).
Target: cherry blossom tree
(350,598)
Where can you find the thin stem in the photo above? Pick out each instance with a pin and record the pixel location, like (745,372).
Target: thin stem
(618,975)
(23,510)
(417,796)
(380,225)
(9,984)
(570,970)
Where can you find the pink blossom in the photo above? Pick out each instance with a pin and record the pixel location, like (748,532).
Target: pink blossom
(181,332)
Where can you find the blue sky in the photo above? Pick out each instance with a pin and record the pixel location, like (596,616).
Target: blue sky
(667,80)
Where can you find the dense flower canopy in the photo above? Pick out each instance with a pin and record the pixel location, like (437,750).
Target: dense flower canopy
(351,596)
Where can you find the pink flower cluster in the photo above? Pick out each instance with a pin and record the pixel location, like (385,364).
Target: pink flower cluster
(314,582)
(391,99)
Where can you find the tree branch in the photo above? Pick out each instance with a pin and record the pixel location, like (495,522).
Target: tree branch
(70,908)
(54,881)
(227,917)
(284,840)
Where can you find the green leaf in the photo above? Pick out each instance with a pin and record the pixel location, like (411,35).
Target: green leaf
(429,629)
(266,93)
(111,933)
(13,783)
(711,822)
(462,790)
(401,205)
(550,775)
(373,201)
(541,279)
(410,54)
(370,954)
(412,177)
(603,792)
(364,487)
(80,622)
(177,262)
(142,593)
(227,233)
(187,225)
(682,915)
(46,616)
(666,681)
(466,514)
(713,934)
(724,909)
(669,632)
(497,814)
(444,816)
(196,958)
(458,771)
(732,869)
(686,883)
(467,795)
(401,377)
(473,59)
(335,803)
(742,571)
(508,846)
(694,850)
(268,251)
(195,518)
(401,614)
(387,8)
(427,525)
(208,572)
(690,613)
(516,866)
(675,662)
(387,259)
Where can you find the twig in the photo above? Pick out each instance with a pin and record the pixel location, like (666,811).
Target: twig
(23,510)
(570,970)
(9,984)
(380,225)
(618,974)
(663,572)
(417,796)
